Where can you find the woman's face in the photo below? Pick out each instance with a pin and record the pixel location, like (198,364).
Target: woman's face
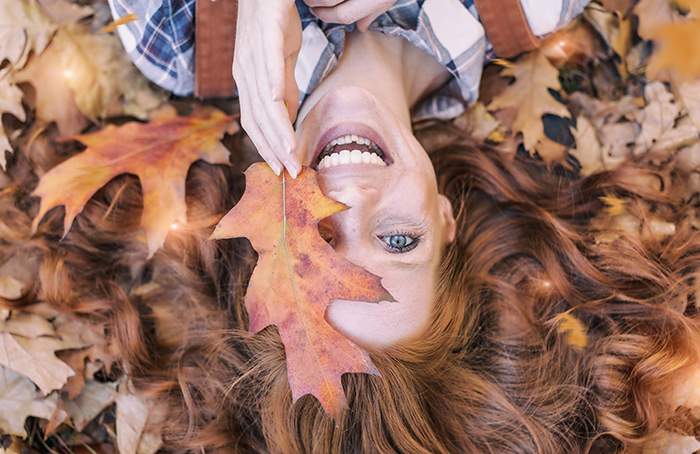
(397,223)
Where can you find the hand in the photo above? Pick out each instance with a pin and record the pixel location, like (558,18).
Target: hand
(364,12)
(268,40)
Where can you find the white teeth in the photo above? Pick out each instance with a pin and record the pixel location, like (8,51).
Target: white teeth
(348,156)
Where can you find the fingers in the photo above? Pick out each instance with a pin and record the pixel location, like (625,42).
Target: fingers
(349,11)
(260,71)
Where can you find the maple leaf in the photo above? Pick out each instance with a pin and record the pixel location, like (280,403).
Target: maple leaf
(296,277)
(159,153)
(530,96)
(18,400)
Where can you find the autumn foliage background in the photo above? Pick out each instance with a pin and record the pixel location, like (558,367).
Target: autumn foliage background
(621,81)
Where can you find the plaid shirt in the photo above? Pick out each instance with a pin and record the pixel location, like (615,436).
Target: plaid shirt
(161,43)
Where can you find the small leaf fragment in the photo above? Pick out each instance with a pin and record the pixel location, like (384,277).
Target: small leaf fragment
(573,329)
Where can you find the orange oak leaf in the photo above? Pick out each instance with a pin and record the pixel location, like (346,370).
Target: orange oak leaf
(296,277)
(159,153)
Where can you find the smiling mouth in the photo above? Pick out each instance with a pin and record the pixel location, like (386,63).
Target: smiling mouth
(350,149)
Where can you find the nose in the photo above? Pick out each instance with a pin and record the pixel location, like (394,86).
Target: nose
(349,231)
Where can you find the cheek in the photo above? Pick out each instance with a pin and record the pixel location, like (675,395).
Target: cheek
(383,325)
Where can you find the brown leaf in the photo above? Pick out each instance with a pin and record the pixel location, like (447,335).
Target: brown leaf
(530,96)
(616,30)
(574,331)
(95,397)
(59,416)
(296,277)
(18,400)
(159,153)
(133,414)
(35,359)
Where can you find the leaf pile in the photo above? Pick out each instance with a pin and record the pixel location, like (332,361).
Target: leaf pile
(623,81)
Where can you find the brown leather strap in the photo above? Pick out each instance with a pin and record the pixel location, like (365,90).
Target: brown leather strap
(215,38)
(506,27)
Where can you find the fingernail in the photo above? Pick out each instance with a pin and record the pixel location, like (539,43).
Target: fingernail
(292,168)
(275,168)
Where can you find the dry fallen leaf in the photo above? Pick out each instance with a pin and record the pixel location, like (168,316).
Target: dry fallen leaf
(159,153)
(54,100)
(574,331)
(587,151)
(133,414)
(296,277)
(23,28)
(35,359)
(28,325)
(95,397)
(19,399)
(132,17)
(11,288)
(616,30)
(530,96)
(679,45)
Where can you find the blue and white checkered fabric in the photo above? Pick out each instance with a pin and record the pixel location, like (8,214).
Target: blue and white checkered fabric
(161,42)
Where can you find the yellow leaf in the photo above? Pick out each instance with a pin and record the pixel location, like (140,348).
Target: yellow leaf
(530,96)
(132,17)
(613,205)
(573,329)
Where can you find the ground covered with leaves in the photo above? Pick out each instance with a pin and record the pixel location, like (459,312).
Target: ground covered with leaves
(621,82)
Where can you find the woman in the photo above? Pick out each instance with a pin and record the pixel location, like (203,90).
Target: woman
(473,360)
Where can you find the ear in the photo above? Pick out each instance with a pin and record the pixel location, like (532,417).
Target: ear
(448,216)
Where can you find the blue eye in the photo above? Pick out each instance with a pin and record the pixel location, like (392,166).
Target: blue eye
(399,242)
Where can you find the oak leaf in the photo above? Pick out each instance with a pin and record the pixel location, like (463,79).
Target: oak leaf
(530,96)
(159,153)
(297,276)
(23,28)
(36,360)
(19,399)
